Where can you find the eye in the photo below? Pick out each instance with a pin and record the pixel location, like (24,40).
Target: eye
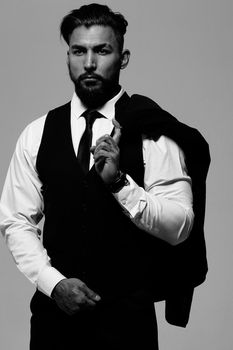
(103,51)
(78,51)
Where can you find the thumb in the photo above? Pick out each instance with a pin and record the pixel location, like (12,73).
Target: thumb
(117,131)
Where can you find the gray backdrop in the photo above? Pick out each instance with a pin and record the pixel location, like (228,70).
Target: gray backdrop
(182,57)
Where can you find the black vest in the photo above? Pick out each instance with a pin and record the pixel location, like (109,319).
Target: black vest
(87,234)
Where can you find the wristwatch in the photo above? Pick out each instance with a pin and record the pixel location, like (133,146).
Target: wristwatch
(119,183)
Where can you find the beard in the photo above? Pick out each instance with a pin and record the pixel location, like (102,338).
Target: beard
(97,91)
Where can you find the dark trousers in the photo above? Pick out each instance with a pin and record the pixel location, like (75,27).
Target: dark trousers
(123,324)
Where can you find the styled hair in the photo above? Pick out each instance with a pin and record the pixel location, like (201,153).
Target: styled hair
(94,14)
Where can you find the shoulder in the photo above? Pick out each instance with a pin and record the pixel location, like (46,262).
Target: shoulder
(143,102)
(32,134)
(153,115)
(30,138)
(59,110)
(33,131)
(143,113)
(148,117)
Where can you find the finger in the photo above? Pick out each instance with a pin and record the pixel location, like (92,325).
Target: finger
(116,123)
(102,138)
(91,294)
(100,142)
(89,304)
(82,301)
(92,149)
(103,155)
(104,146)
(117,131)
(85,303)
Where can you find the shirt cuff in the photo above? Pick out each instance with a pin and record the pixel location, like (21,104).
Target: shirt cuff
(48,279)
(131,197)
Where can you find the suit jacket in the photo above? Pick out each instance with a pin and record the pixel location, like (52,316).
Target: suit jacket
(143,115)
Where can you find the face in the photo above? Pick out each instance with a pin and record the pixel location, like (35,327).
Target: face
(94,63)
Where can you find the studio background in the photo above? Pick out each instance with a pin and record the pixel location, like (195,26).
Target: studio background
(182,57)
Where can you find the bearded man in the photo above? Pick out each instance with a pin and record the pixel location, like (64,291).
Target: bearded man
(118,181)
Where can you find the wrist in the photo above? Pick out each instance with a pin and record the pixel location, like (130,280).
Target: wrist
(56,288)
(119,182)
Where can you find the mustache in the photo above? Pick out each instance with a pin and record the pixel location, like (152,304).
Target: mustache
(88,75)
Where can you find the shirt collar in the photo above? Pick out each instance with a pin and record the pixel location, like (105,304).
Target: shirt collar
(108,109)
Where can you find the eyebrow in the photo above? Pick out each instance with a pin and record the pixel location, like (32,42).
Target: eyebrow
(98,46)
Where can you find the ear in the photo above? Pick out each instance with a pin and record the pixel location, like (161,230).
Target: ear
(125,58)
(67,57)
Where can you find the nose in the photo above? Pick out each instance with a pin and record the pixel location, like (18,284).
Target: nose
(90,61)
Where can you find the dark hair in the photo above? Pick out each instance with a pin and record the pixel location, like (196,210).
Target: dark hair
(94,14)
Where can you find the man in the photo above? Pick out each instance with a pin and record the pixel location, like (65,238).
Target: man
(119,181)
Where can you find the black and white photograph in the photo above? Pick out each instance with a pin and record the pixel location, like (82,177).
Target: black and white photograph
(116,175)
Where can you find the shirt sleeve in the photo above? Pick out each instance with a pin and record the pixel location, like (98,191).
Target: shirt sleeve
(21,209)
(163,207)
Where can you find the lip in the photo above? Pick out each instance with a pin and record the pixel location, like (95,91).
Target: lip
(90,78)
(91,81)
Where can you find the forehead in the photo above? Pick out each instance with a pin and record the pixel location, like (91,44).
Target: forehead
(94,35)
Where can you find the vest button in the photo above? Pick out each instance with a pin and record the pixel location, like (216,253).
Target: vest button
(85,185)
(84,207)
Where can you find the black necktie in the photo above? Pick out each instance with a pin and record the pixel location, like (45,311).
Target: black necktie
(86,140)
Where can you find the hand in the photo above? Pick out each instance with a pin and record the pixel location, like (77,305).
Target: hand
(107,155)
(72,295)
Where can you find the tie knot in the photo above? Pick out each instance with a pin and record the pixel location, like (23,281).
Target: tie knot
(91,116)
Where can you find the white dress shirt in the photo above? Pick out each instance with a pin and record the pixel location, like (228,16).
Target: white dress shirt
(162,208)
